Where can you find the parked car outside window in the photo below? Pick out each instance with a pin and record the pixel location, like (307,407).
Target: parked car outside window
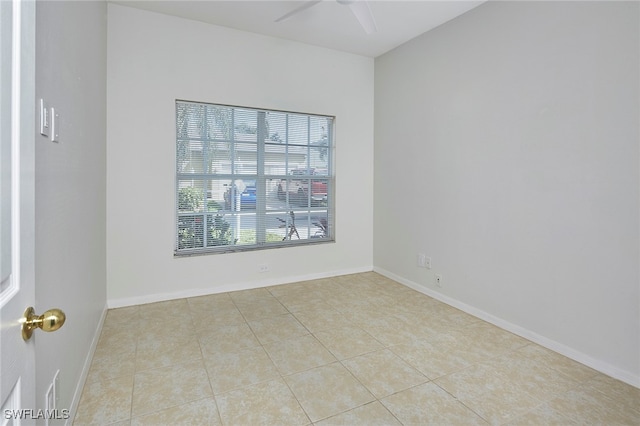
(247,195)
(298,187)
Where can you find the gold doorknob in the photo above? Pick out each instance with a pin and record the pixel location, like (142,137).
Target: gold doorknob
(51,320)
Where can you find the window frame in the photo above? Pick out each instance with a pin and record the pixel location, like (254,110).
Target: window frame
(260,177)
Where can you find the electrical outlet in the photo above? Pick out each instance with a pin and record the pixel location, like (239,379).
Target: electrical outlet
(263,267)
(438,280)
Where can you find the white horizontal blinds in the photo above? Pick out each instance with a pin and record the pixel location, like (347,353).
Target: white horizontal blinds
(249,178)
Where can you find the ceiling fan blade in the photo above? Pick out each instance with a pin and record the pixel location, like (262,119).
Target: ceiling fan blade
(303,6)
(363,14)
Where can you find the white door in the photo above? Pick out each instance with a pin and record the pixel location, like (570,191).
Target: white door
(17,135)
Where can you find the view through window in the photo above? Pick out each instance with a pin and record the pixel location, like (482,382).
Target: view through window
(251,178)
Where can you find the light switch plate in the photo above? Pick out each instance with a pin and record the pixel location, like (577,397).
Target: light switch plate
(45,124)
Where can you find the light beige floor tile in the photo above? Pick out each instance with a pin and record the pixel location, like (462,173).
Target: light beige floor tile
(122,317)
(457,339)
(109,366)
(462,343)
(203,412)
(167,387)
(437,318)
(327,390)
(560,363)
(156,327)
(173,309)
(346,301)
(440,309)
(210,303)
(230,371)
(321,308)
(293,289)
(381,280)
(400,291)
(349,303)
(533,376)
(261,308)
(348,342)
(473,381)
(427,404)
(501,405)
(362,315)
(116,341)
(384,285)
(105,401)
(327,293)
(398,311)
(589,406)
(267,403)
(213,310)
(298,354)
(220,317)
(350,280)
(154,353)
(434,360)
(432,326)
(300,301)
(275,329)
(626,394)
(542,415)
(322,320)
(300,287)
(226,339)
(384,373)
(418,303)
(491,340)
(381,300)
(371,414)
(415,327)
(392,331)
(457,318)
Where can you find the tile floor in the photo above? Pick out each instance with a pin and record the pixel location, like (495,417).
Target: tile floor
(352,350)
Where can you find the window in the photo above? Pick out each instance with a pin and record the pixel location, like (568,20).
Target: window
(251,178)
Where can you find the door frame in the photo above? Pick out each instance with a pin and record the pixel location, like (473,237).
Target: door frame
(17,357)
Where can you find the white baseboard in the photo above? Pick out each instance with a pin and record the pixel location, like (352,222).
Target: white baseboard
(85,369)
(161,297)
(560,348)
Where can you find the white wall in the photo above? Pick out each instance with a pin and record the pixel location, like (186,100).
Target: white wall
(153,60)
(506,148)
(71,43)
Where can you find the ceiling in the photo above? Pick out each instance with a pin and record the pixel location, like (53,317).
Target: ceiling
(327,24)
